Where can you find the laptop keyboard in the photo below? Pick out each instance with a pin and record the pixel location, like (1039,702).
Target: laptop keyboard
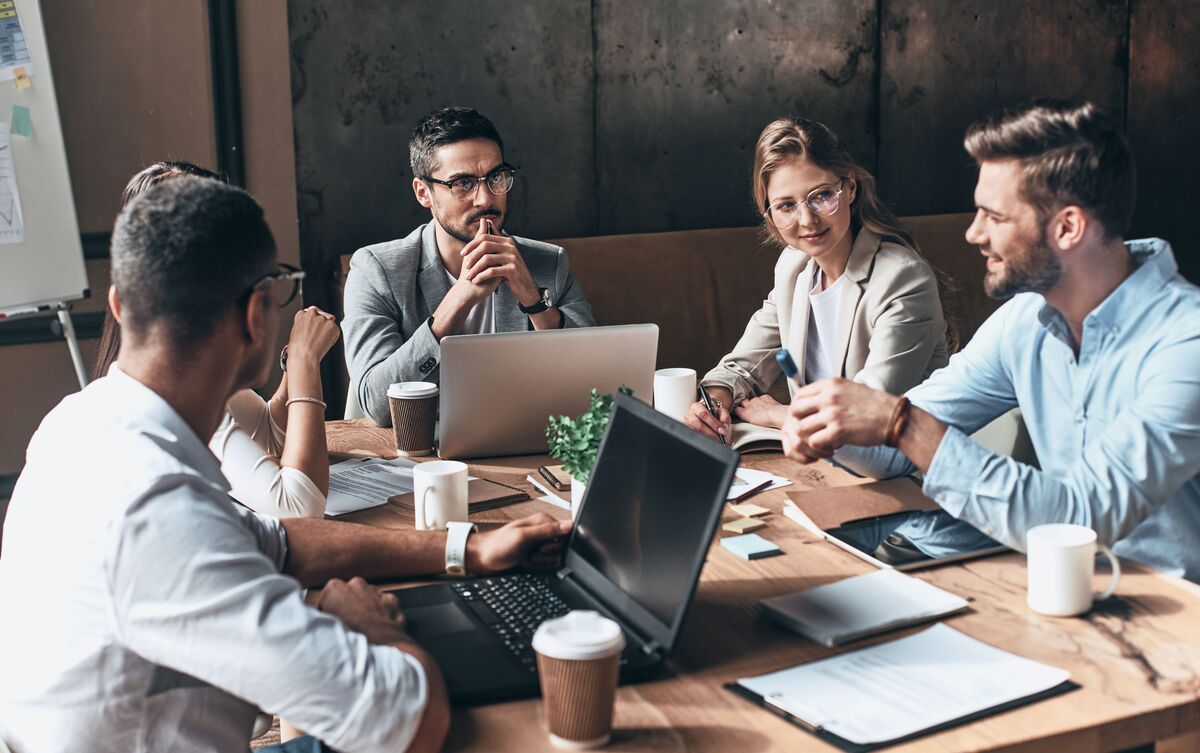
(512,607)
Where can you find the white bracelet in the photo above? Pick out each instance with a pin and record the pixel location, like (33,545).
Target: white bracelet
(305,400)
(456,547)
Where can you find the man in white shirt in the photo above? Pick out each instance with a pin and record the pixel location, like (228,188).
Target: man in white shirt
(144,609)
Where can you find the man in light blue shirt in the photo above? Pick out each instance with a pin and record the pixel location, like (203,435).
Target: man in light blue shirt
(1099,347)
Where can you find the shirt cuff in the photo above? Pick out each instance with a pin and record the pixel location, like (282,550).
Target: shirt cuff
(956,466)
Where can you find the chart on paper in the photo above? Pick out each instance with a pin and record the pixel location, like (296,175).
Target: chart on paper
(11,228)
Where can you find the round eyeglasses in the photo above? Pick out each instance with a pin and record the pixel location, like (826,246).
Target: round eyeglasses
(822,201)
(286,285)
(462,188)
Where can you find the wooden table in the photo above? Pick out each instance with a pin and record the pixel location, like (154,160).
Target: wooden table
(1136,655)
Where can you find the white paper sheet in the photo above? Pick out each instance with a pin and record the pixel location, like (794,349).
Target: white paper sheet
(360,484)
(896,689)
(12,227)
(746,479)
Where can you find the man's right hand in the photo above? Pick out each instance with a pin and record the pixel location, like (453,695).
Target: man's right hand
(461,298)
(364,609)
(699,419)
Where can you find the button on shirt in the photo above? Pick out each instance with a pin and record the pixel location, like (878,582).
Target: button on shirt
(1116,429)
(145,611)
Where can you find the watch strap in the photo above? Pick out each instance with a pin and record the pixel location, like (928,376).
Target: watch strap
(456,547)
(542,304)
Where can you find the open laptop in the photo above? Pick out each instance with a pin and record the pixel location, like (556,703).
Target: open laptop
(498,390)
(652,506)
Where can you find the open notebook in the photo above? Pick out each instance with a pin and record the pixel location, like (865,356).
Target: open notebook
(747,438)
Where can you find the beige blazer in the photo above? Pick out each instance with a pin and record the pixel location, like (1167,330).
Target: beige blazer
(891,331)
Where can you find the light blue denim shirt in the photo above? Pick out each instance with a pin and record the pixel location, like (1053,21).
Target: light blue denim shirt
(1116,429)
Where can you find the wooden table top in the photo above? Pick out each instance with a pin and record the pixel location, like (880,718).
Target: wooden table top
(1136,655)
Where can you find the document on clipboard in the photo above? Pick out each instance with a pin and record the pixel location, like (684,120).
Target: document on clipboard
(907,688)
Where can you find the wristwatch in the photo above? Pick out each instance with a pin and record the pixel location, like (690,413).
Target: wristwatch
(545,302)
(283,359)
(456,547)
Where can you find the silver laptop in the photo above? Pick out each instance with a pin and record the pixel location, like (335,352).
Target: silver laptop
(498,390)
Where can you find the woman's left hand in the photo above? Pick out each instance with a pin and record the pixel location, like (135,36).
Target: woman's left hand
(763,410)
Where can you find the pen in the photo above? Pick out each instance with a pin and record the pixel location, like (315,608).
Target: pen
(784,359)
(708,404)
(751,492)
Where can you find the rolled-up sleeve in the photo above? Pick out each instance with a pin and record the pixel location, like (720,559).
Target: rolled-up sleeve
(1127,472)
(196,588)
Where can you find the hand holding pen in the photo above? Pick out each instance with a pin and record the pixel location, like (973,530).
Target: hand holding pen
(711,418)
(794,445)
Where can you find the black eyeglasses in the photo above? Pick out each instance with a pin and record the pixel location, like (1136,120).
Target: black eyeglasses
(498,181)
(293,276)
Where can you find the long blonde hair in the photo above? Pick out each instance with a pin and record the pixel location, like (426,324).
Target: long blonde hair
(790,138)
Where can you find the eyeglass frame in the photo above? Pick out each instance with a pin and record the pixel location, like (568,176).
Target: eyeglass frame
(807,202)
(503,168)
(289,272)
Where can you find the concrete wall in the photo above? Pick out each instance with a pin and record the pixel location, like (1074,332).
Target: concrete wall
(641,116)
(134,87)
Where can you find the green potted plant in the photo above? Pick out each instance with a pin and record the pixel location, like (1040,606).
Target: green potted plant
(574,442)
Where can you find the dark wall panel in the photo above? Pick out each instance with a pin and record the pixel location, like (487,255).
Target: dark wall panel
(948,62)
(364,72)
(1164,102)
(684,88)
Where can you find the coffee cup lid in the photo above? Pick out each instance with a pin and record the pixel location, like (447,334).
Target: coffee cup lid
(412,390)
(579,635)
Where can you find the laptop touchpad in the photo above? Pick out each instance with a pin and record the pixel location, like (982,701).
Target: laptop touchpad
(437,619)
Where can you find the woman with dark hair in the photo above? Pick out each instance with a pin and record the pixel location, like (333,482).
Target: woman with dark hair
(273,453)
(853,297)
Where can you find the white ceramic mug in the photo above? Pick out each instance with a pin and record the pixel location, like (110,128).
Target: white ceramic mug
(440,493)
(1062,561)
(674,391)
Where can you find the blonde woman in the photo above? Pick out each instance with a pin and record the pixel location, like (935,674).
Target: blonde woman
(853,297)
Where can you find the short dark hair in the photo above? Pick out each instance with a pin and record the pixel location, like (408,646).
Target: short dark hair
(184,252)
(446,126)
(160,171)
(1069,153)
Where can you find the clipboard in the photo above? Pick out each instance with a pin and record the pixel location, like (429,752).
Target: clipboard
(853,747)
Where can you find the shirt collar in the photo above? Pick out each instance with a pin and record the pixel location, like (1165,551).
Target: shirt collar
(146,410)
(1153,265)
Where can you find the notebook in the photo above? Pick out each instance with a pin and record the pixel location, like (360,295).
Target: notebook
(747,438)
(903,689)
(841,612)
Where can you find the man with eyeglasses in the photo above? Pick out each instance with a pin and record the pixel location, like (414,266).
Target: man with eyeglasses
(460,273)
(147,611)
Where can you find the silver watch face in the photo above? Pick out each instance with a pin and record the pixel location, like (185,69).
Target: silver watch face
(547,298)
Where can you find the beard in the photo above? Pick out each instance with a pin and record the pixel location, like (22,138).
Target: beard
(1035,269)
(465,231)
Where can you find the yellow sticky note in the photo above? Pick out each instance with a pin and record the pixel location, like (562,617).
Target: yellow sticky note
(6,5)
(743,525)
(21,78)
(7,13)
(749,510)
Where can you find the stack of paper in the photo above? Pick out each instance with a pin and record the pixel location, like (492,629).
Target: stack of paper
(361,484)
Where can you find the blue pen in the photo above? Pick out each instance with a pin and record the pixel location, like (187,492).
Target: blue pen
(784,359)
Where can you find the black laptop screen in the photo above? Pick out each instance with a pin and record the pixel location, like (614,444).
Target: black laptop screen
(650,505)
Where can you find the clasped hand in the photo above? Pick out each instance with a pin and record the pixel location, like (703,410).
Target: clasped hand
(490,259)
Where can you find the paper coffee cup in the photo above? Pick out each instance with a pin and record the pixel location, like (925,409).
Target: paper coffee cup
(578,658)
(414,414)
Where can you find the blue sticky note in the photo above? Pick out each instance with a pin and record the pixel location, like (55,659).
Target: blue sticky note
(22,124)
(750,547)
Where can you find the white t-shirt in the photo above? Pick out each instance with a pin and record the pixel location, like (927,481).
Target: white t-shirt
(482,318)
(144,611)
(248,443)
(822,329)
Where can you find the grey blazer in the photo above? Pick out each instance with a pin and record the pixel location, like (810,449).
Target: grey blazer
(391,293)
(891,330)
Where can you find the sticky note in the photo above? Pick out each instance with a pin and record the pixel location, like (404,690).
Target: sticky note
(749,510)
(22,124)
(743,525)
(21,77)
(750,547)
